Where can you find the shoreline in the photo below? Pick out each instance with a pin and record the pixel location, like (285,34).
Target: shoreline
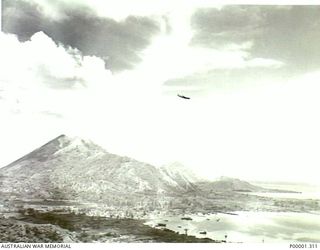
(244,226)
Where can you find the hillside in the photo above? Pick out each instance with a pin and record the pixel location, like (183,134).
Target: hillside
(87,178)
(226,184)
(180,176)
(72,168)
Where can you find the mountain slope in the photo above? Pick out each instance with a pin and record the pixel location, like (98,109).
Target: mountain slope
(235,185)
(179,175)
(226,184)
(71,168)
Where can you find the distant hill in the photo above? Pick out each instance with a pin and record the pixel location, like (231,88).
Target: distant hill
(179,175)
(226,184)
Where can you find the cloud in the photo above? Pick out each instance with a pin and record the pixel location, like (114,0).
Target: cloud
(125,43)
(39,71)
(231,24)
(170,56)
(117,42)
(118,9)
(265,43)
(229,79)
(290,34)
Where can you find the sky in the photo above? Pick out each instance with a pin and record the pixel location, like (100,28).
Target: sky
(111,71)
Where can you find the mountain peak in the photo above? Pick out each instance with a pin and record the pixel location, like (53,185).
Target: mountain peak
(42,153)
(64,139)
(60,137)
(73,167)
(179,175)
(59,144)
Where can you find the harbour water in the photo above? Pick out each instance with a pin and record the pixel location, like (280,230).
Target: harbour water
(248,227)
(255,226)
(304,191)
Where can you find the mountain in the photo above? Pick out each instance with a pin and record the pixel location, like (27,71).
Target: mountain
(72,168)
(179,175)
(234,184)
(227,184)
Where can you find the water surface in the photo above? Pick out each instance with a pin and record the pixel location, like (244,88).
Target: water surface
(249,227)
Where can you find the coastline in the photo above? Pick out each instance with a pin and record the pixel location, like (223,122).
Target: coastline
(246,226)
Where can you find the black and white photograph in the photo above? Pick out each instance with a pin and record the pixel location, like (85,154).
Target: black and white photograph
(146,121)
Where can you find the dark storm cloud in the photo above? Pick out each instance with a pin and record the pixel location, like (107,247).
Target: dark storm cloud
(287,33)
(290,34)
(231,24)
(118,43)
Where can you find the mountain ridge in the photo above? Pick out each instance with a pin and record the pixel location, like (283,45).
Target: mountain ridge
(77,168)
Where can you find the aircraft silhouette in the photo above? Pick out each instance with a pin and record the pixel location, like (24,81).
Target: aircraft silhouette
(184,97)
